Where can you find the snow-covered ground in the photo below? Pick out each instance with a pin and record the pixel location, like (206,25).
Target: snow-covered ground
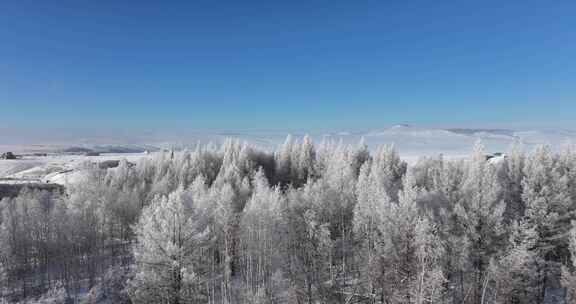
(412,142)
(55,168)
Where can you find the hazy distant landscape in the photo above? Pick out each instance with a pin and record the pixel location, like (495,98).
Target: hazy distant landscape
(412,142)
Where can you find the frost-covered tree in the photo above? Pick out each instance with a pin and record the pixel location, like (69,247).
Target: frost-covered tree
(549,210)
(306,160)
(304,224)
(284,158)
(333,198)
(16,242)
(512,176)
(170,236)
(567,168)
(569,271)
(480,217)
(409,252)
(370,210)
(513,274)
(308,249)
(338,174)
(35,244)
(389,169)
(259,243)
(360,156)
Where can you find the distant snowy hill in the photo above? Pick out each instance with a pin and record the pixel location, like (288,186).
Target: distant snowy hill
(408,139)
(110,149)
(411,142)
(414,141)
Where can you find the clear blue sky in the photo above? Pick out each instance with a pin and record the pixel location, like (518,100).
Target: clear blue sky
(286,64)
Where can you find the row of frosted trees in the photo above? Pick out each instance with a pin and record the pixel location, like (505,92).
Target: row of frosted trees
(306,224)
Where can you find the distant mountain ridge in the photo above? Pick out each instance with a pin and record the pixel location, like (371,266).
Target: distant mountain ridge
(473,131)
(410,139)
(110,149)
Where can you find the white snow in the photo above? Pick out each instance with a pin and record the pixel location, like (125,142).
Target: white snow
(59,168)
(412,142)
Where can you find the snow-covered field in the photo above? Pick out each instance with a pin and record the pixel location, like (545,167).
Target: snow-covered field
(412,143)
(56,168)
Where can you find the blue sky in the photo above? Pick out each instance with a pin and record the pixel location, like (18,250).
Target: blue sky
(197,65)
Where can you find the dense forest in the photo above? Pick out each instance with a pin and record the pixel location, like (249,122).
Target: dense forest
(325,223)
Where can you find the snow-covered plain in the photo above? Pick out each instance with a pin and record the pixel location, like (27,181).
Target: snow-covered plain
(55,168)
(412,142)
